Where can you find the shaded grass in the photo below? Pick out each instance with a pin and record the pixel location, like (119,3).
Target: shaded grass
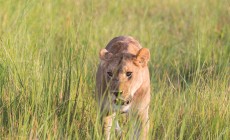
(49,56)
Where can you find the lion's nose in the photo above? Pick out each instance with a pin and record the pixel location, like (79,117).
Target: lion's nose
(117,93)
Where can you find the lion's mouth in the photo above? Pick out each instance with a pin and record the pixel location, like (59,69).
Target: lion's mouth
(121,102)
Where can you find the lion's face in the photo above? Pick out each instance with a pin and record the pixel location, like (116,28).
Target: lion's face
(123,76)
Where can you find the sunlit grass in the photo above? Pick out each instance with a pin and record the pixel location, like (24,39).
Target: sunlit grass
(49,56)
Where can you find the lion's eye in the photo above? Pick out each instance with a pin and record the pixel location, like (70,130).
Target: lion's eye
(128,74)
(110,74)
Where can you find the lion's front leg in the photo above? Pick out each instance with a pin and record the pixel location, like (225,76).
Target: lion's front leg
(144,118)
(145,128)
(107,124)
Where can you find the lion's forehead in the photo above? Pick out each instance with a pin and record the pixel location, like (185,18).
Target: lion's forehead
(121,66)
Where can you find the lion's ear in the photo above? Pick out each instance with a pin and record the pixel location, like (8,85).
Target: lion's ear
(105,55)
(142,57)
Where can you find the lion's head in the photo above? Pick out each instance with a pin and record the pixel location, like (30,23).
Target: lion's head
(123,74)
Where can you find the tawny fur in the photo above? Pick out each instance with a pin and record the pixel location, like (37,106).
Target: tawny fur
(124,54)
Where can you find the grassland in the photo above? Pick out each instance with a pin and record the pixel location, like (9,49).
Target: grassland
(49,55)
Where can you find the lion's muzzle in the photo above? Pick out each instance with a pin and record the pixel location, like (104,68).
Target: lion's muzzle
(119,100)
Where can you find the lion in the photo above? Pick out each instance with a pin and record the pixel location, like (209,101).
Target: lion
(123,83)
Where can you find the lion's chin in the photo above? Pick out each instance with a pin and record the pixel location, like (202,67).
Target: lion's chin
(121,108)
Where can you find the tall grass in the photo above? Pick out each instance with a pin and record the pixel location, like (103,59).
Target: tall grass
(49,56)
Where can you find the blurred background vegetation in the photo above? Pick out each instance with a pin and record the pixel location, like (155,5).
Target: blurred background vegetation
(49,57)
